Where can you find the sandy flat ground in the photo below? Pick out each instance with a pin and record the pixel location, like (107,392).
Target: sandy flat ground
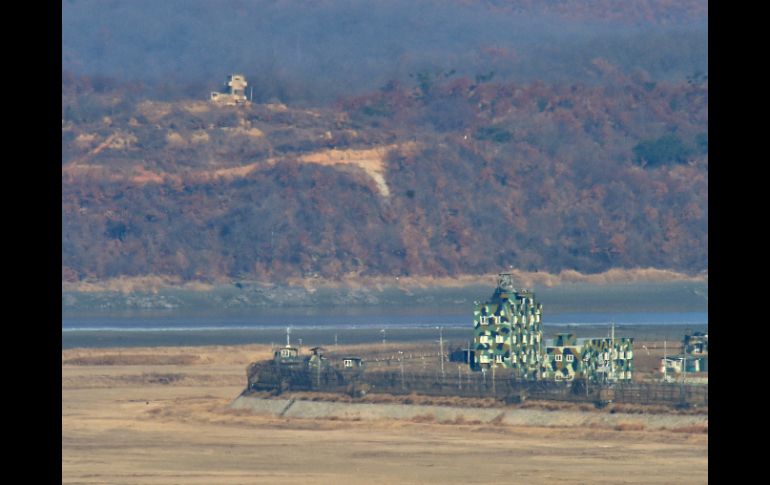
(167,421)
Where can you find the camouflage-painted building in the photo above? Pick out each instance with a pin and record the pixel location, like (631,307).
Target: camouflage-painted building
(697,343)
(694,357)
(599,359)
(287,355)
(508,331)
(677,364)
(316,358)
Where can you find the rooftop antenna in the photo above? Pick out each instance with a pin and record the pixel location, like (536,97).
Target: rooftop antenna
(505,281)
(684,366)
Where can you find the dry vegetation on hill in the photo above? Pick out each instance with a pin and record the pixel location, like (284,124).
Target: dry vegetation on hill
(546,178)
(543,136)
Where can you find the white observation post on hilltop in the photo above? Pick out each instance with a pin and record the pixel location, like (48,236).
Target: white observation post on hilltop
(235,93)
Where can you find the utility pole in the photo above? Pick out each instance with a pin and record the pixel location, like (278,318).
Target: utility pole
(401,360)
(288,332)
(468,354)
(613,352)
(665,362)
(441,350)
(494,389)
(459,377)
(683,385)
(335,341)
(684,366)
(383,336)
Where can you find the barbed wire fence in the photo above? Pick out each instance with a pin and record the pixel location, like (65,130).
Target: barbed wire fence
(418,372)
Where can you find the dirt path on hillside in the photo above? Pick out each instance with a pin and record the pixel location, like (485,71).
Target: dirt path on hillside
(371,161)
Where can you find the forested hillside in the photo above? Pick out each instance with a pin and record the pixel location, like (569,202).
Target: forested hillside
(440,174)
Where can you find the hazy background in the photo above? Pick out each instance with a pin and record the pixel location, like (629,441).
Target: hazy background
(317,51)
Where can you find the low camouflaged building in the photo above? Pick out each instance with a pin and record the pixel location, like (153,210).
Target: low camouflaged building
(287,355)
(697,343)
(681,363)
(508,333)
(693,359)
(598,359)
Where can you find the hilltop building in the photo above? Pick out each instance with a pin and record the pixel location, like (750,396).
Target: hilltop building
(508,333)
(235,91)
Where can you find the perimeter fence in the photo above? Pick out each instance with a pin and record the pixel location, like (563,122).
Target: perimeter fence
(516,390)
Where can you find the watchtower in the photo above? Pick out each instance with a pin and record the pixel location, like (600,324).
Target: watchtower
(508,330)
(235,91)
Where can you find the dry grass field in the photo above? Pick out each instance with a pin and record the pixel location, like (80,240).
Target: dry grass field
(160,416)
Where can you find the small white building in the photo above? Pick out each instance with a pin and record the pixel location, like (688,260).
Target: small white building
(235,93)
(676,363)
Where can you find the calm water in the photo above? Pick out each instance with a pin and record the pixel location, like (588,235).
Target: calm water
(318,327)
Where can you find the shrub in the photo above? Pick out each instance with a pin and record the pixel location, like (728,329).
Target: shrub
(494,133)
(665,150)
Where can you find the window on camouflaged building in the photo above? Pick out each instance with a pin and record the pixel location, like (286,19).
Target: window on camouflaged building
(557,357)
(569,358)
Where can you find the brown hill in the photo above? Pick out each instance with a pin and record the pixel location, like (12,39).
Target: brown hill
(446,177)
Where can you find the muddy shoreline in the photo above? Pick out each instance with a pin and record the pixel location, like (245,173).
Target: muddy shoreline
(677,294)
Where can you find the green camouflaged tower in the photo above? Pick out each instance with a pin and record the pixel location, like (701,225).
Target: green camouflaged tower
(508,333)
(508,330)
